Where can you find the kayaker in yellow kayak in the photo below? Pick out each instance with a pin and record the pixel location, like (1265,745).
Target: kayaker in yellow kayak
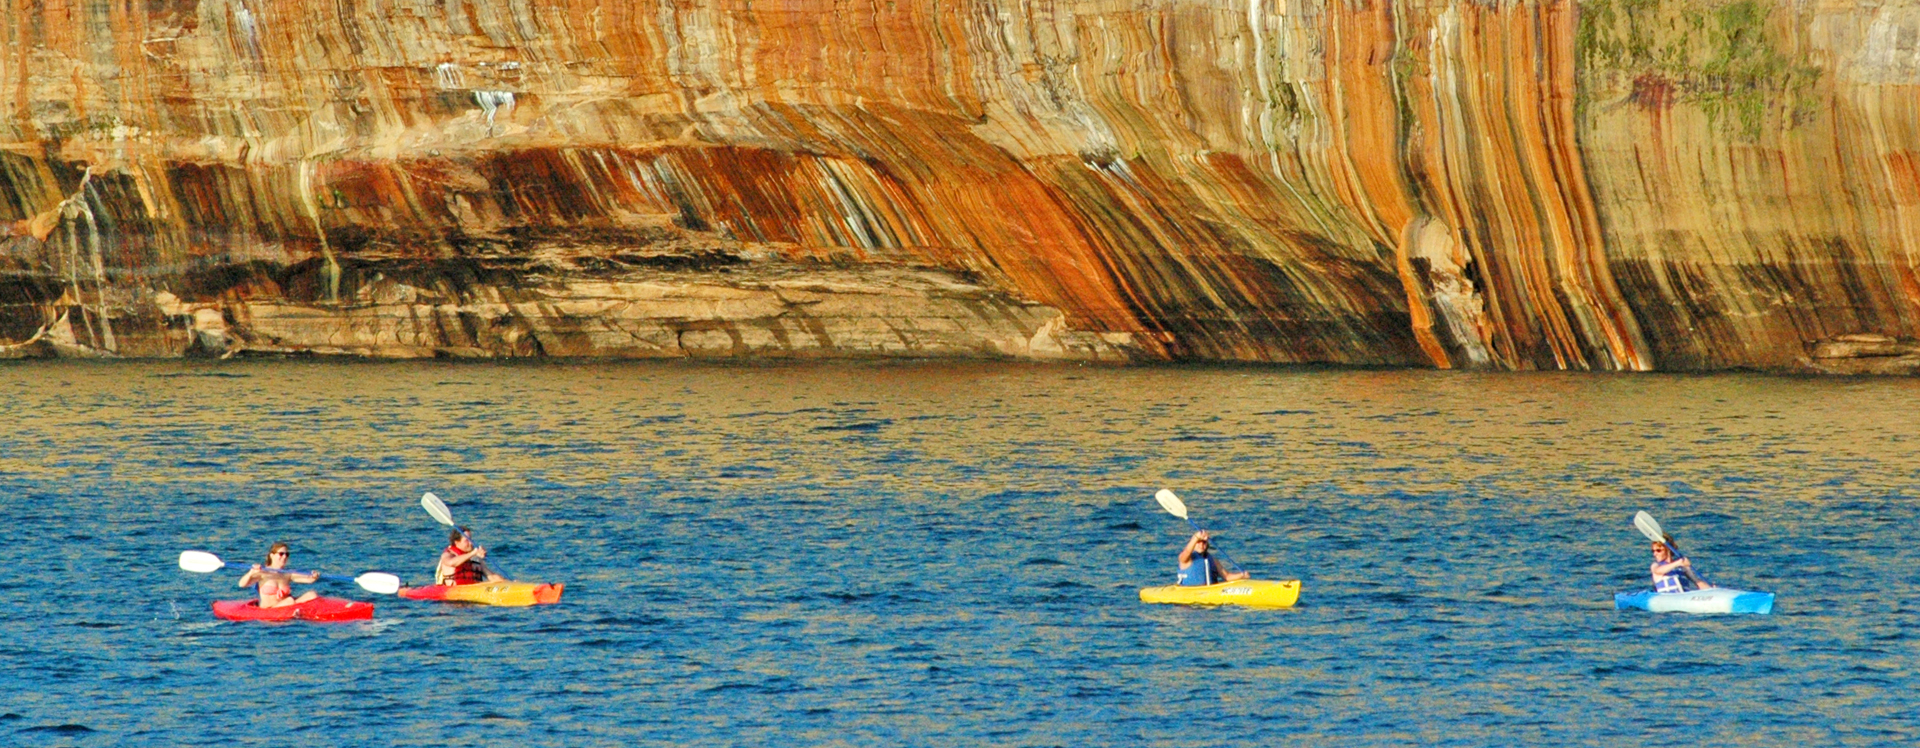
(1199,568)
(463,562)
(273,582)
(1672,572)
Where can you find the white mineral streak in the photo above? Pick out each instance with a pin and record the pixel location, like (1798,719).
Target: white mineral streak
(492,102)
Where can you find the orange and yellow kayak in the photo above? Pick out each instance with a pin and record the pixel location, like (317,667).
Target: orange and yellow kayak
(489,593)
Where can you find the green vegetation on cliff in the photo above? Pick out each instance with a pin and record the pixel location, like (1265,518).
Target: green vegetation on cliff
(1720,57)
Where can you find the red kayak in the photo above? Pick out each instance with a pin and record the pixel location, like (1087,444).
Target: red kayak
(317,609)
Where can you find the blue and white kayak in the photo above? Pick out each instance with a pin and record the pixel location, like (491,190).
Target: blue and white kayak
(1716,600)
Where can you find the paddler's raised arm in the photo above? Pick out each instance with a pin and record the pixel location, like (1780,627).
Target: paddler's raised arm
(1193,544)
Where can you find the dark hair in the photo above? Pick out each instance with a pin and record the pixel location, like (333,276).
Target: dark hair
(454,535)
(277,547)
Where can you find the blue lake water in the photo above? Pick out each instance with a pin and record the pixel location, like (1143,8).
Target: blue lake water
(947,555)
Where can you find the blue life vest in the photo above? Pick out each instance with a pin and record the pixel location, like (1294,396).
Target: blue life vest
(1199,572)
(1675,582)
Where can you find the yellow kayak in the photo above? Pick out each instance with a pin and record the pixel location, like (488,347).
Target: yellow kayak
(489,593)
(1252,593)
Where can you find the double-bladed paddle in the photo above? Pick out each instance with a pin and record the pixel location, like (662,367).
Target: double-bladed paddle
(202,562)
(442,515)
(1175,507)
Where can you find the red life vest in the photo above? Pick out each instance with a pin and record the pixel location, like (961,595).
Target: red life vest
(467,573)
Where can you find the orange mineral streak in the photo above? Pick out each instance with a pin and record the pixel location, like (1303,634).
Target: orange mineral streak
(1580,246)
(1520,176)
(1498,166)
(1369,171)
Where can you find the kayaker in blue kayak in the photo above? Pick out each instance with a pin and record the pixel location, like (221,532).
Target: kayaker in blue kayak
(462,562)
(1673,572)
(273,581)
(1199,568)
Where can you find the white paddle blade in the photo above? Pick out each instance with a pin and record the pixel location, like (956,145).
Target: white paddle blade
(437,508)
(1645,524)
(378,583)
(1171,503)
(201,562)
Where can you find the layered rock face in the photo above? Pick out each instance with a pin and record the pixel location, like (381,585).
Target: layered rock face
(1616,184)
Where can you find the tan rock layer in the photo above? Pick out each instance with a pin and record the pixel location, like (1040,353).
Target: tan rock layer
(1616,184)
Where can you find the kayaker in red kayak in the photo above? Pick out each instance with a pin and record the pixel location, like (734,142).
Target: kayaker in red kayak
(1200,568)
(1673,572)
(463,562)
(273,581)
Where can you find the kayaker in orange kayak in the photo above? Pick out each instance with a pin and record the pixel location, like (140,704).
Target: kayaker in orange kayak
(1200,568)
(273,581)
(463,562)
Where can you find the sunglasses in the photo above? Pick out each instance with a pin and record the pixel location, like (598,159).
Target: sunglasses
(278,553)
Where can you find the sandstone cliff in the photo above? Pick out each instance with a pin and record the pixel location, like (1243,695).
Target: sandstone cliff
(1615,184)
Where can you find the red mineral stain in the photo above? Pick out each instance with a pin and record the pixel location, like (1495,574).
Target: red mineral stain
(1903,175)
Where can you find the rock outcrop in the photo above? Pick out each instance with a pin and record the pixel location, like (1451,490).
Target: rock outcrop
(1614,184)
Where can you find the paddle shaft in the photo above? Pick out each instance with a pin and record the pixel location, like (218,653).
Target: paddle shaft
(377,582)
(315,574)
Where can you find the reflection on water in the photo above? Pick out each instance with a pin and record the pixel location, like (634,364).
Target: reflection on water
(948,554)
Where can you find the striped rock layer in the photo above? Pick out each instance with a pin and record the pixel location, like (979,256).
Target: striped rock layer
(1611,184)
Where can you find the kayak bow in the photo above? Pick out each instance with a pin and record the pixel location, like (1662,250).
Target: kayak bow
(1252,593)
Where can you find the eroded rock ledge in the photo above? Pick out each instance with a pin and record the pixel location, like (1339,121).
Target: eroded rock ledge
(1865,353)
(703,302)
